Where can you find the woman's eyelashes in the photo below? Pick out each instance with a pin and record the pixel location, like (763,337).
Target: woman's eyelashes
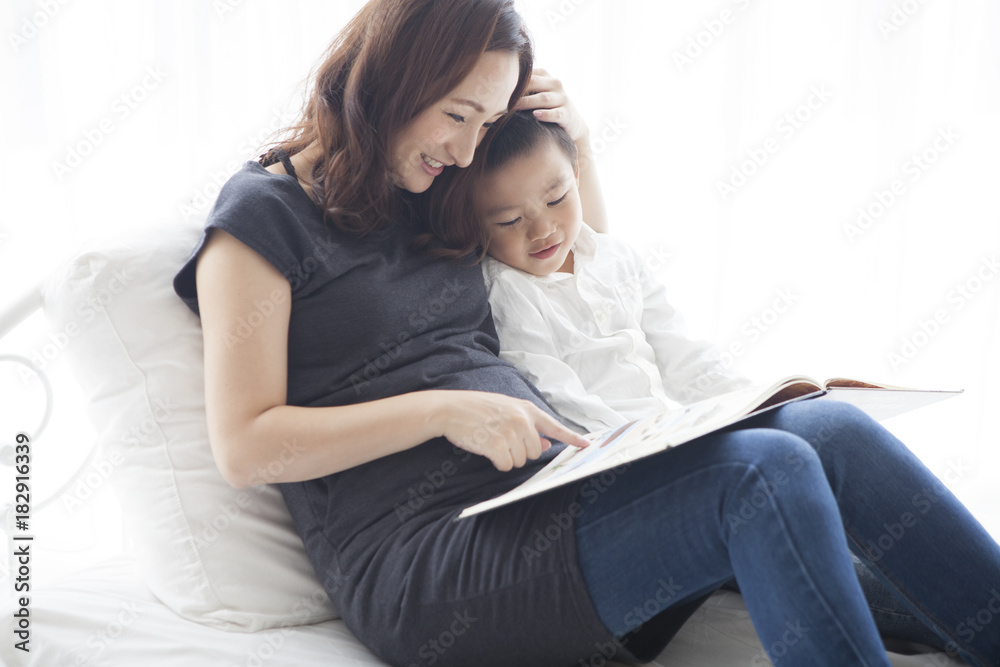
(459,118)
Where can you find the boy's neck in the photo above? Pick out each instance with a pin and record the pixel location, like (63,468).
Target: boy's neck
(567,266)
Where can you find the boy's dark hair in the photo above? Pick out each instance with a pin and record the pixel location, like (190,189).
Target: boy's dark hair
(449,205)
(521,134)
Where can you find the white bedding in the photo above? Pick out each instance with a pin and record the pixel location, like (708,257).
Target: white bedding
(221,561)
(105,617)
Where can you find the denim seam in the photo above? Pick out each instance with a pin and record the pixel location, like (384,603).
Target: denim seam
(794,550)
(750,468)
(580,527)
(899,590)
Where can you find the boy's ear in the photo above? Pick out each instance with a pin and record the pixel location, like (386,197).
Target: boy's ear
(576,172)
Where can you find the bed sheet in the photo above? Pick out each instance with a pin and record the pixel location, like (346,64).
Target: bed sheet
(105,617)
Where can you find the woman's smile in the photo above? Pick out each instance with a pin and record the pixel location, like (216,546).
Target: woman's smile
(432,166)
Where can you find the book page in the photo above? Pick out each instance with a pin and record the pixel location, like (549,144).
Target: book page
(793,389)
(636,439)
(643,437)
(885,403)
(847,383)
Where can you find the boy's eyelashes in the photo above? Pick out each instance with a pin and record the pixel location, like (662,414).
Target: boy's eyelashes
(553,203)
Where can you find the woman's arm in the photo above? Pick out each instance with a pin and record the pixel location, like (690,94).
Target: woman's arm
(551,104)
(591,197)
(257,438)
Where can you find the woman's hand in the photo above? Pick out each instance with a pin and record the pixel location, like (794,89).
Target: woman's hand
(508,431)
(550,103)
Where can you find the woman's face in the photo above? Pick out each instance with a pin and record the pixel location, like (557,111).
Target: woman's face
(447,132)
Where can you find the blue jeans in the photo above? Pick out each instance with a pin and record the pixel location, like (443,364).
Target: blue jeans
(779,502)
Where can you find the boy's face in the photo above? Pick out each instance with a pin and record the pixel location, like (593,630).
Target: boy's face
(532,211)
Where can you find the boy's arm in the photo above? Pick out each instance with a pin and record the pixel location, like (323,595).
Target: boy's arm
(528,342)
(691,368)
(563,389)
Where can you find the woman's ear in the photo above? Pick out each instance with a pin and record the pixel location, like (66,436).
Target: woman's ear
(576,172)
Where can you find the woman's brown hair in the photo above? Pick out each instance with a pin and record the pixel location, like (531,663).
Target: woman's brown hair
(393,60)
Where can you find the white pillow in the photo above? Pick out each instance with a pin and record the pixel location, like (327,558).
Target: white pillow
(214,554)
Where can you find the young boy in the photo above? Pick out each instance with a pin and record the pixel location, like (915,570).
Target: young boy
(577,312)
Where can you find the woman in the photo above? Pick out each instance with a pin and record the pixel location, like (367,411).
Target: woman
(374,361)
(371,383)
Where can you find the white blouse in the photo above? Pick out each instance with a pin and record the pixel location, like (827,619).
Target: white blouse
(602,344)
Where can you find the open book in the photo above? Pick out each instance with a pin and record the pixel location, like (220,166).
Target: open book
(621,444)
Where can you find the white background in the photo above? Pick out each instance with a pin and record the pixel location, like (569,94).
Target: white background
(120,114)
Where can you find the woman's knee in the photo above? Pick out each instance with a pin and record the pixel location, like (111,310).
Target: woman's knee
(772,459)
(850,444)
(729,464)
(783,471)
(773,449)
(825,423)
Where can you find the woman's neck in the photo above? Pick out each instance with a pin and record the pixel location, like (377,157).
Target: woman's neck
(303,162)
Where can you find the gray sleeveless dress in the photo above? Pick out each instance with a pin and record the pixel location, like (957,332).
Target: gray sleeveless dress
(372,318)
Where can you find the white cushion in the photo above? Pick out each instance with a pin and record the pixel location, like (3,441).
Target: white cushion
(214,554)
